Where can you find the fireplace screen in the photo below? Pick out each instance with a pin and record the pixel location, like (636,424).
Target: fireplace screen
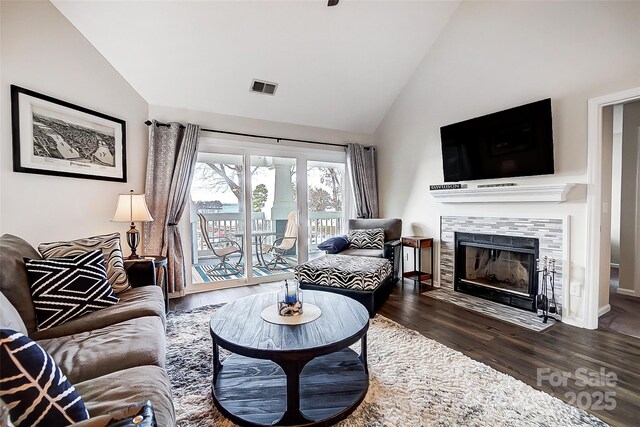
(495,268)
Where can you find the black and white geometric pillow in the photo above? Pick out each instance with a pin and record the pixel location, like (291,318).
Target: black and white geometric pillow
(69,287)
(109,244)
(372,238)
(33,387)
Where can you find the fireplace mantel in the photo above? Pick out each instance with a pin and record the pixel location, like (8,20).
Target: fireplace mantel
(554,193)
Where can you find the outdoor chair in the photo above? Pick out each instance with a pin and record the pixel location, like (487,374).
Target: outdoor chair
(282,245)
(222,248)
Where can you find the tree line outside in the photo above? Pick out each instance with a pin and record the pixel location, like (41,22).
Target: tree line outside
(222,177)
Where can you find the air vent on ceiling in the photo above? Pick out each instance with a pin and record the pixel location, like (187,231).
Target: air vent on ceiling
(261,86)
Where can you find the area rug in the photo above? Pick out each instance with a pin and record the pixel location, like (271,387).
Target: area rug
(414,381)
(516,316)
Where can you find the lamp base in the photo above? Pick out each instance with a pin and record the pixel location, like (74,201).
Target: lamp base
(133,239)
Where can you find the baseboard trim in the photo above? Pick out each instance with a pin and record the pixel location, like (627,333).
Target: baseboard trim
(628,292)
(604,310)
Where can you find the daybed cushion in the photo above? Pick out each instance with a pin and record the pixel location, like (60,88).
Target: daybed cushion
(371,238)
(14,283)
(377,253)
(392,226)
(344,271)
(334,244)
(116,347)
(134,303)
(113,391)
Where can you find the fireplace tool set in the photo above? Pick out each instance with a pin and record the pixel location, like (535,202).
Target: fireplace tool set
(544,304)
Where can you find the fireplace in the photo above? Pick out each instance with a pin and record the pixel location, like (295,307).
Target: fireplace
(498,268)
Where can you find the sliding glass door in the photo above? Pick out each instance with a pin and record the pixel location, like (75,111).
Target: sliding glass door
(254,217)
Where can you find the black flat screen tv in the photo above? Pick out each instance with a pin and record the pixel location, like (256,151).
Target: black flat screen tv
(509,143)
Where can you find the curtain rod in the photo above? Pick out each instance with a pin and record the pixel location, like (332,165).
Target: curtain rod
(278,139)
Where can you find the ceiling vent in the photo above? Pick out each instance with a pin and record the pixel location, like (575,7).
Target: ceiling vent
(260,86)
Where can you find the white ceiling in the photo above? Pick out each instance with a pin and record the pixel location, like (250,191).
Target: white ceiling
(340,67)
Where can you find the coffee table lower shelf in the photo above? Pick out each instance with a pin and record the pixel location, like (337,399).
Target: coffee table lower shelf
(253,392)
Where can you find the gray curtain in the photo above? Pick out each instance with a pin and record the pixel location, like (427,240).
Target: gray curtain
(170,166)
(361,162)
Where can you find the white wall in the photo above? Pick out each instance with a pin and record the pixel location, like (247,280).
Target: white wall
(496,55)
(42,51)
(252,126)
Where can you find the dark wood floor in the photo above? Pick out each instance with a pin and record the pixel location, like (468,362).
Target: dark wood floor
(508,348)
(624,316)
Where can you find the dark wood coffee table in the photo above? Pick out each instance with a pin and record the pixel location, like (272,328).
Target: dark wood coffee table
(290,375)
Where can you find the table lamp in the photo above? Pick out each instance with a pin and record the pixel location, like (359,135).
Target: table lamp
(131,208)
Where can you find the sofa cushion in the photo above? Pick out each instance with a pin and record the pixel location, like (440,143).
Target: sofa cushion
(14,283)
(68,287)
(9,316)
(113,391)
(376,253)
(134,303)
(33,387)
(109,244)
(372,238)
(113,348)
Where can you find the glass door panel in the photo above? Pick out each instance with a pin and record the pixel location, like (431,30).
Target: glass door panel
(217,218)
(274,230)
(325,199)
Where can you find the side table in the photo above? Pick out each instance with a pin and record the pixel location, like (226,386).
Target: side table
(159,262)
(417,243)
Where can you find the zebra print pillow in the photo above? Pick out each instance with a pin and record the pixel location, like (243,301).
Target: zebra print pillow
(33,387)
(371,238)
(109,244)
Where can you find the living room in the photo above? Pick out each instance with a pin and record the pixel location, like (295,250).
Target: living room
(387,75)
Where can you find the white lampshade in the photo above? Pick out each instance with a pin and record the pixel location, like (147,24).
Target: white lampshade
(131,208)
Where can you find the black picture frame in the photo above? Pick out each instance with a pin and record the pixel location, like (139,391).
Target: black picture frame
(55,137)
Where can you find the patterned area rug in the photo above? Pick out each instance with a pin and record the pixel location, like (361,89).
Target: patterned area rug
(523,318)
(414,381)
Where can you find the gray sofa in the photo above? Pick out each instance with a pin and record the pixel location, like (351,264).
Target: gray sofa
(115,357)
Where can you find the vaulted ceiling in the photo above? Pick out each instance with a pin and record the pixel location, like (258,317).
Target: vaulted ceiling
(337,67)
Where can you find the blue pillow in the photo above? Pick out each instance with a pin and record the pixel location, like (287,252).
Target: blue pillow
(334,244)
(33,387)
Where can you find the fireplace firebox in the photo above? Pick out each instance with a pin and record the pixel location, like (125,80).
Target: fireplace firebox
(498,268)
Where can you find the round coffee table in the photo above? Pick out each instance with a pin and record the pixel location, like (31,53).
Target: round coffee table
(290,374)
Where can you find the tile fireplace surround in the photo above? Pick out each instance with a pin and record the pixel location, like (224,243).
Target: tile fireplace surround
(550,232)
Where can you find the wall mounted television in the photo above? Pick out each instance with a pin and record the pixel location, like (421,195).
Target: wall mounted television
(509,143)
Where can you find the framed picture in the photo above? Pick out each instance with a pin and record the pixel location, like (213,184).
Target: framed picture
(54,137)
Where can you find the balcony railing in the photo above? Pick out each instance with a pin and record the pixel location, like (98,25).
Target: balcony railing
(322,225)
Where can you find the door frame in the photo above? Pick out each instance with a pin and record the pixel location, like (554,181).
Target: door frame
(595,199)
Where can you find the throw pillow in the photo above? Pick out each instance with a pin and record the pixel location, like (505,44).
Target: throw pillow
(109,244)
(334,244)
(372,238)
(69,287)
(33,387)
